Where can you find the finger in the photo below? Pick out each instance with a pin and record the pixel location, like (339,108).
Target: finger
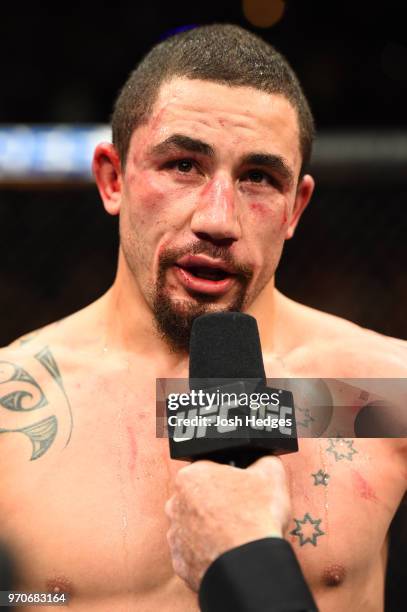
(177,552)
(197,467)
(171,537)
(169,507)
(180,568)
(270,466)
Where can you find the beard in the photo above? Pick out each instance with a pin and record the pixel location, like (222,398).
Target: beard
(174,317)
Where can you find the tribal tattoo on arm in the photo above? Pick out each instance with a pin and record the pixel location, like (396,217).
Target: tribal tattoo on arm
(20,392)
(27,338)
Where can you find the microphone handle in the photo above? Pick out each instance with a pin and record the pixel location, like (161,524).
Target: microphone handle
(240,459)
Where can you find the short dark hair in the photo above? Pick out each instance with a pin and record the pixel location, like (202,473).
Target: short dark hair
(221,53)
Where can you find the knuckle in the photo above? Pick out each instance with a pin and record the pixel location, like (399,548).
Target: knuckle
(170,539)
(180,568)
(276,469)
(169,507)
(183,475)
(190,473)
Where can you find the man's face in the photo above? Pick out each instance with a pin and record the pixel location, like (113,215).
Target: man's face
(208,198)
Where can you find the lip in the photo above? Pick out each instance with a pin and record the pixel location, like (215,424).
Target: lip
(203,285)
(205,261)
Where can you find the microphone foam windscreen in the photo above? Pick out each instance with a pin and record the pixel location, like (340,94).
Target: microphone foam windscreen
(225,345)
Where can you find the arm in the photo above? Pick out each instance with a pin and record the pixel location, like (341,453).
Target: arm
(34,405)
(263,575)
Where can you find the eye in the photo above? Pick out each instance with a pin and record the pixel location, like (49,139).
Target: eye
(259,177)
(182,165)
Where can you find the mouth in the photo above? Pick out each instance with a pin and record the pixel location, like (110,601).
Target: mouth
(204,275)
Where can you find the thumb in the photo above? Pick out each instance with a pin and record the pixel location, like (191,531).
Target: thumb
(270,466)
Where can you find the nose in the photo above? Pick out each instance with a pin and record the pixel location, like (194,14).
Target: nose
(216,215)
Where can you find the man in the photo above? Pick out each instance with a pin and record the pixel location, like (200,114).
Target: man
(211,138)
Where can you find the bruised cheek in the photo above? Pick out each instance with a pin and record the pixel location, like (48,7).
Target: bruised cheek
(157,201)
(149,205)
(266,214)
(265,231)
(260,210)
(148,193)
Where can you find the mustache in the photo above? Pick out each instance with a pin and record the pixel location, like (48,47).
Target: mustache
(170,256)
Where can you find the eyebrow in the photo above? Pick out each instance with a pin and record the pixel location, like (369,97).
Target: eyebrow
(275,163)
(181,142)
(178,142)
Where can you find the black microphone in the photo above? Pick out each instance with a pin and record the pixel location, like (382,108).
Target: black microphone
(230,416)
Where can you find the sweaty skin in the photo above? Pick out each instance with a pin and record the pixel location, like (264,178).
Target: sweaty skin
(83,477)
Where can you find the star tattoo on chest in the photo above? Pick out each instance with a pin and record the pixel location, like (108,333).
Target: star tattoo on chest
(321,478)
(341,448)
(306,419)
(307,530)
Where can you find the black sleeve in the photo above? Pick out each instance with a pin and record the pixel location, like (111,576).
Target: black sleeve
(261,576)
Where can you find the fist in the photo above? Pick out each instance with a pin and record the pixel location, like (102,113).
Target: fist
(217,507)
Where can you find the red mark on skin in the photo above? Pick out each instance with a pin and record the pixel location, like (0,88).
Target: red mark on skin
(363,487)
(133,448)
(258,208)
(150,189)
(206,188)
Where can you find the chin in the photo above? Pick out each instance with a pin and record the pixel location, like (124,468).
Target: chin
(174,316)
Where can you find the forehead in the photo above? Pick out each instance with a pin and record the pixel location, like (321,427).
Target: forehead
(228,118)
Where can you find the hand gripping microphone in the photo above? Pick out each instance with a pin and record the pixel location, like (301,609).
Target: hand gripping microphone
(231,416)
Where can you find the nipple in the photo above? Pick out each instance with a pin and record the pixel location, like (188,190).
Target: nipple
(334,575)
(58,585)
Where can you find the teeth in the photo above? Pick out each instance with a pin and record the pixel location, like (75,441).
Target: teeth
(208,273)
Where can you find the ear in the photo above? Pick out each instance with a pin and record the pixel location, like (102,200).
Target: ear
(304,192)
(108,175)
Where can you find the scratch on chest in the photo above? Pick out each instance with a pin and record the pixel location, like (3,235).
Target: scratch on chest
(363,487)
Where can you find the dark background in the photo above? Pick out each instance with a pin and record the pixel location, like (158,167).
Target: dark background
(58,248)
(66,63)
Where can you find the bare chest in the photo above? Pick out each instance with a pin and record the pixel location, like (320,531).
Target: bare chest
(88,516)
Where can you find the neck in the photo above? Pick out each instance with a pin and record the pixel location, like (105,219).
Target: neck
(267,311)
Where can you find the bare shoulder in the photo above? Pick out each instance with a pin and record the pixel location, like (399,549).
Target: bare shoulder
(327,346)
(61,348)
(330,346)
(38,374)
(35,412)
(77,331)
